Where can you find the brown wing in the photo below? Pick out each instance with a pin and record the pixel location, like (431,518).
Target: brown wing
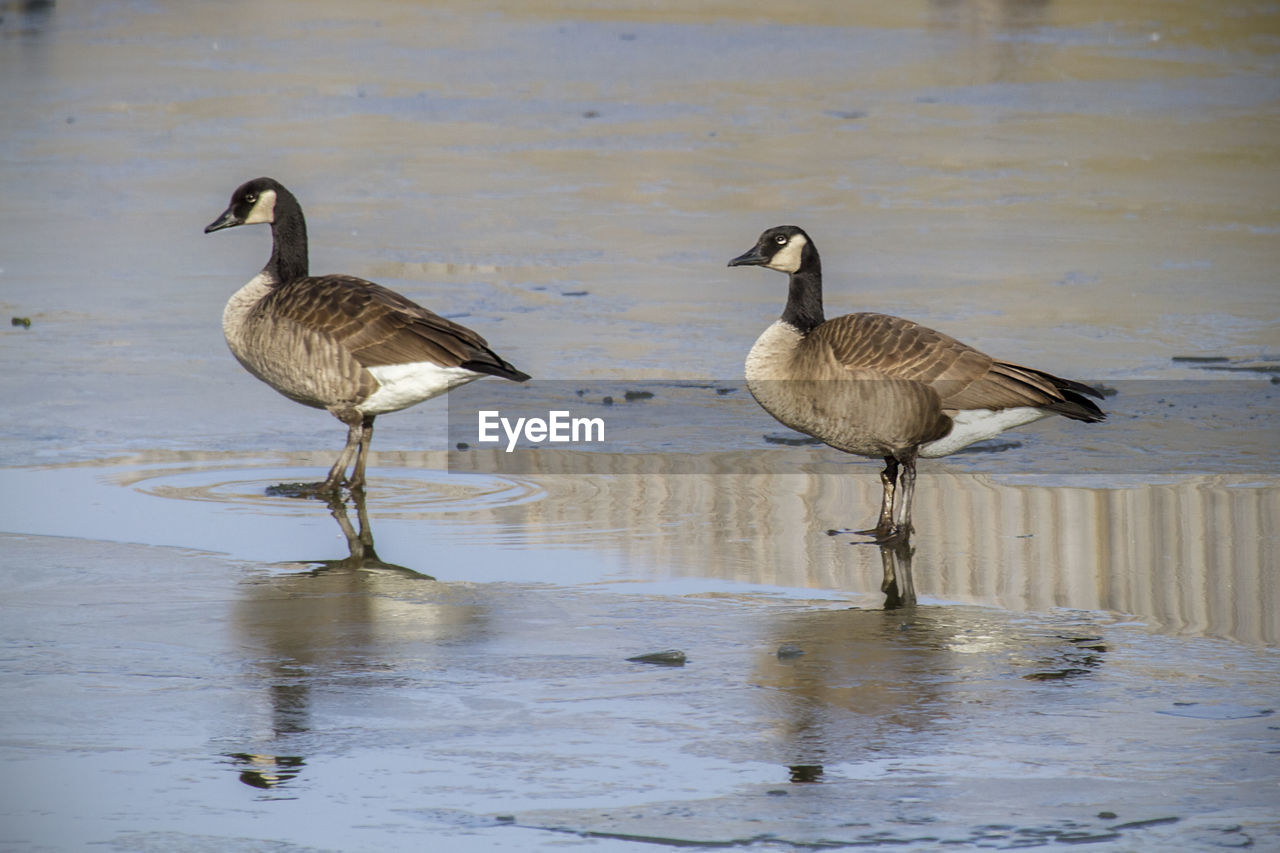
(963,377)
(378,326)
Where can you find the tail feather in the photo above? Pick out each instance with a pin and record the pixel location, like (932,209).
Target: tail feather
(1068,397)
(494,365)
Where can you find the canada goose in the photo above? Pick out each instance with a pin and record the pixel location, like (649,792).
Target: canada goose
(337,342)
(885,387)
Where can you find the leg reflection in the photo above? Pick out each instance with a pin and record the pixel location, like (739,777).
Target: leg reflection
(898,586)
(361,554)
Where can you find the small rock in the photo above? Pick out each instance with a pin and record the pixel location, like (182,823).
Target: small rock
(668,657)
(789,650)
(806,772)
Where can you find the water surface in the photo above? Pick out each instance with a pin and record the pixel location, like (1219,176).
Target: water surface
(189,663)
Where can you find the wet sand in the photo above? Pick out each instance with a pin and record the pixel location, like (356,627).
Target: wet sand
(188,663)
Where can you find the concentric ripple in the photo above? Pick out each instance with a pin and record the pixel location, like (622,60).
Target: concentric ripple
(397,492)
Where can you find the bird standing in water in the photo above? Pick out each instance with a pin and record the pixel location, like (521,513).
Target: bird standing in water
(337,342)
(885,387)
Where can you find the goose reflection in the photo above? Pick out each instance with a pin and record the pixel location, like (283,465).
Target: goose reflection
(26,17)
(360,551)
(849,683)
(898,584)
(332,632)
(849,686)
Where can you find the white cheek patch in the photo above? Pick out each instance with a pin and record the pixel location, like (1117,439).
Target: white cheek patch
(264,210)
(787,259)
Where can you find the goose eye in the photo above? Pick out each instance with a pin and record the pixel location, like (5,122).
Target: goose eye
(250,198)
(781,239)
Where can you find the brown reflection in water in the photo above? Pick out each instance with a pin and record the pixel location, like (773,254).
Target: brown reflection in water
(25,17)
(844,685)
(350,618)
(898,586)
(853,682)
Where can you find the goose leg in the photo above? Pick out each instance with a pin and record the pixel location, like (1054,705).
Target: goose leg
(338,473)
(356,483)
(888,482)
(906,494)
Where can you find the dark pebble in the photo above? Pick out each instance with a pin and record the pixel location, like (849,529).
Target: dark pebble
(668,657)
(806,772)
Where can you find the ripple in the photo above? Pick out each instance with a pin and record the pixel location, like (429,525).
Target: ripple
(399,492)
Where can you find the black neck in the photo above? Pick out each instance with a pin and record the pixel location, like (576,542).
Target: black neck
(804,296)
(289,240)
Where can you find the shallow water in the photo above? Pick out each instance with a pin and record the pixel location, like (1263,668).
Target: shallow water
(189,663)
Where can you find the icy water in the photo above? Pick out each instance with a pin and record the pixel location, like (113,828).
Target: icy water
(190,663)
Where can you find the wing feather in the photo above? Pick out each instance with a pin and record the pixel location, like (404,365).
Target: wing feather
(378,326)
(964,378)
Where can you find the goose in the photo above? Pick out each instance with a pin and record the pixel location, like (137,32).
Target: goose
(337,342)
(884,387)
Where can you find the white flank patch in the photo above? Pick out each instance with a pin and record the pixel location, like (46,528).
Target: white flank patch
(264,209)
(403,385)
(787,259)
(974,425)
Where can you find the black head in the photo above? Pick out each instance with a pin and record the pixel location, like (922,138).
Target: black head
(252,202)
(785,248)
